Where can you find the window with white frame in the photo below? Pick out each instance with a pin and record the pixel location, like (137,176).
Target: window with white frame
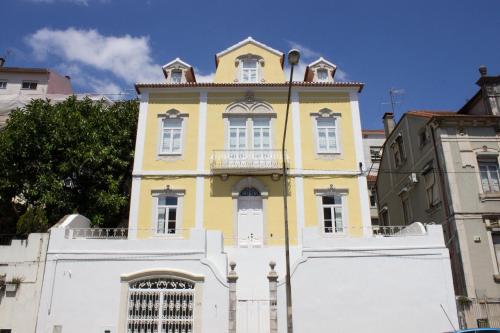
(375,153)
(261,133)
(249,70)
(488,170)
(333,216)
(167,214)
(322,74)
(176,76)
(237,133)
(3,84)
(431,187)
(29,85)
(326,128)
(171,141)
(161,305)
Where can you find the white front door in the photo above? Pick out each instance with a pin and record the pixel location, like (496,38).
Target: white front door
(250,221)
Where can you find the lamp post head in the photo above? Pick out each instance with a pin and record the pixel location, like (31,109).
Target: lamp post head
(293,57)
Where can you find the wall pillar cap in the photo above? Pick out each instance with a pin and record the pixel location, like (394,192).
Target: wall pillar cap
(232,276)
(272,276)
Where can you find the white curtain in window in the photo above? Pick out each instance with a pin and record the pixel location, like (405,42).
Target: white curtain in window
(249,70)
(327,135)
(171,140)
(237,134)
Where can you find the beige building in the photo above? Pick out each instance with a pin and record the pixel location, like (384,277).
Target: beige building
(373,140)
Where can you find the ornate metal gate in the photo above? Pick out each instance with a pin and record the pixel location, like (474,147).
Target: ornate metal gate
(160,305)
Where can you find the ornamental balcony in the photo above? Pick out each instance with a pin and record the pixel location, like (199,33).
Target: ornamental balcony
(245,161)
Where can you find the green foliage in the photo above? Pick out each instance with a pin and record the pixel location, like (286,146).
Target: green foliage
(33,220)
(74,156)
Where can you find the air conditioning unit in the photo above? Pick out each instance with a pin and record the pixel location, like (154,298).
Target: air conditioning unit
(412,178)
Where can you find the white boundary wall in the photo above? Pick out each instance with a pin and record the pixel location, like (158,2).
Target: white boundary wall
(82,287)
(377,284)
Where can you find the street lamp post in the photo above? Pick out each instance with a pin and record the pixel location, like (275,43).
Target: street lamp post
(293,59)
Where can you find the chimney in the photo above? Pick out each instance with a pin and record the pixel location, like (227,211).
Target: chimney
(2,61)
(389,123)
(483,70)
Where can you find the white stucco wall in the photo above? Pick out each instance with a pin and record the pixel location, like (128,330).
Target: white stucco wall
(82,285)
(24,259)
(378,284)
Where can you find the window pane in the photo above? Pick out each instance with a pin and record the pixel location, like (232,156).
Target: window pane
(327,214)
(338,220)
(176,139)
(161,221)
(484,178)
(332,200)
(322,139)
(249,63)
(332,140)
(265,138)
(242,138)
(256,138)
(326,122)
(232,138)
(170,201)
(322,74)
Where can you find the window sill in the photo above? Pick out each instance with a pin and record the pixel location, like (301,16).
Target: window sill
(489,196)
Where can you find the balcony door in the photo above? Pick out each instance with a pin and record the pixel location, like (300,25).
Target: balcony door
(250,218)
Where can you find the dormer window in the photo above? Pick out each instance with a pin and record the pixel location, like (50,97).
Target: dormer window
(249,70)
(322,74)
(176,76)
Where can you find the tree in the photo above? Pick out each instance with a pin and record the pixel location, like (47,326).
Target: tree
(73,156)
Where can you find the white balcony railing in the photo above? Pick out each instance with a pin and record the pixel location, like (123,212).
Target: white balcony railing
(97,233)
(246,160)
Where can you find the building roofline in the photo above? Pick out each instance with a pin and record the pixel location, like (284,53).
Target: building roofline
(321,59)
(139,86)
(247,41)
(24,70)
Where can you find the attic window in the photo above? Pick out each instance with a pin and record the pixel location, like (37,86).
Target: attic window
(176,76)
(322,74)
(249,70)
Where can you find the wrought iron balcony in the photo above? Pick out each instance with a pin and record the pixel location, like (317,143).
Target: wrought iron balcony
(247,161)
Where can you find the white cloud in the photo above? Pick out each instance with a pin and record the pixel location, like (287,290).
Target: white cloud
(309,55)
(203,78)
(305,52)
(126,57)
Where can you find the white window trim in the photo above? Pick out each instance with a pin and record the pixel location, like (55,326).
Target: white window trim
(239,68)
(493,228)
(156,194)
(327,113)
(29,81)
(486,159)
(343,193)
(171,114)
(249,130)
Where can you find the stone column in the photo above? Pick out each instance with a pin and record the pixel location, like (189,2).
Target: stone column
(231,279)
(273,298)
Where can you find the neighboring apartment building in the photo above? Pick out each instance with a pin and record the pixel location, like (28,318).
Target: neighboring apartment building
(19,85)
(443,167)
(205,251)
(22,265)
(373,141)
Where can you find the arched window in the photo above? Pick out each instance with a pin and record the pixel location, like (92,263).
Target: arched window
(160,305)
(249,192)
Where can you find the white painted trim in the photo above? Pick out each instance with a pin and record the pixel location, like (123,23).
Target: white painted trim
(321,59)
(207,173)
(494,258)
(249,40)
(135,197)
(362,183)
(141,131)
(176,60)
(200,164)
(297,149)
(244,88)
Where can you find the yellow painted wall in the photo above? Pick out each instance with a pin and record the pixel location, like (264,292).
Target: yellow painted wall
(216,133)
(311,102)
(220,209)
(272,70)
(353,204)
(147,203)
(160,103)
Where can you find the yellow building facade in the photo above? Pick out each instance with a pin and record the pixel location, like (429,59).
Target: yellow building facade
(208,155)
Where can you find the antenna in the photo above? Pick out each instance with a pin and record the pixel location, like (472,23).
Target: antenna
(393,93)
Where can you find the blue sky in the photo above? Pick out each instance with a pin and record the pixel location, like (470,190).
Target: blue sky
(429,49)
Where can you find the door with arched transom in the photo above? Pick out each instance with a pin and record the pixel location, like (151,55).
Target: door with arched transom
(250,218)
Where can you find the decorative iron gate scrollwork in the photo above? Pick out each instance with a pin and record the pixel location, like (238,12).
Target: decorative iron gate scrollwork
(160,305)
